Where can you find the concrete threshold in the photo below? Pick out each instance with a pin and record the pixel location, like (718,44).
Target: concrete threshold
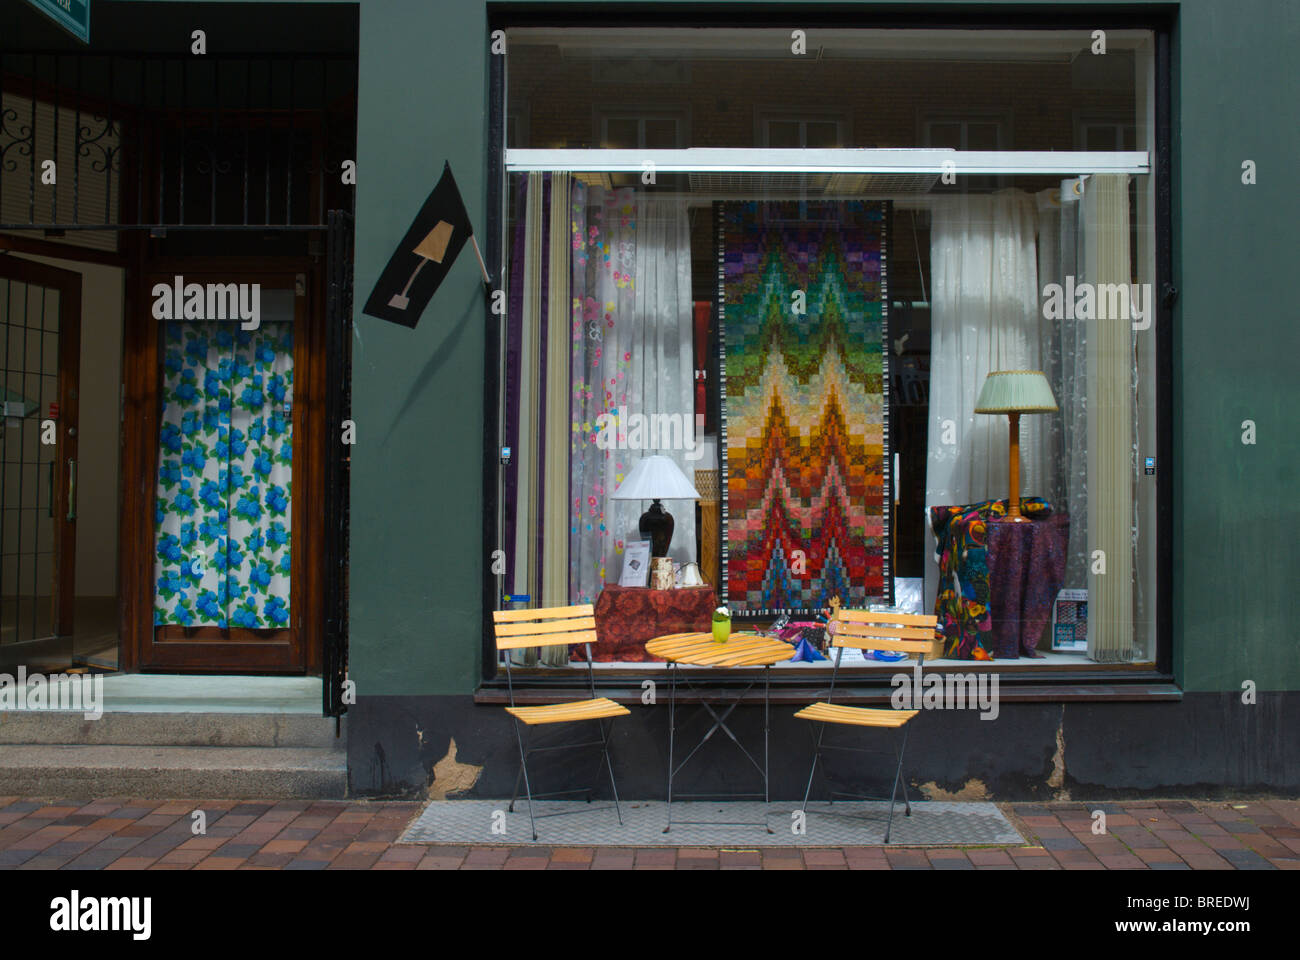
(172,693)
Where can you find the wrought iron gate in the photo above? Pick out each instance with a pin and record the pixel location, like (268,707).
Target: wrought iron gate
(139,141)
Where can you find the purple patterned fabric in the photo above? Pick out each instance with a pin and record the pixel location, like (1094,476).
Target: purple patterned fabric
(514,327)
(1026,563)
(514,337)
(543,295)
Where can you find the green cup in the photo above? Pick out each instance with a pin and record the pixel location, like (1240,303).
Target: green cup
(721,630)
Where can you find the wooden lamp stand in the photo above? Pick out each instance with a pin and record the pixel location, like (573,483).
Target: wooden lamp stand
(1014,392)
(1013,501)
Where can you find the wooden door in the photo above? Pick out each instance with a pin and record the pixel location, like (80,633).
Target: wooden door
(40,353)
(197,605)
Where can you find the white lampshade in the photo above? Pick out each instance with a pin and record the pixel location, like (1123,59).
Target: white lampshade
(656,478)
(1016,391)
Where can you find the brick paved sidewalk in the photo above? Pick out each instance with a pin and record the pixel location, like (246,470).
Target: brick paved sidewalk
(305,835)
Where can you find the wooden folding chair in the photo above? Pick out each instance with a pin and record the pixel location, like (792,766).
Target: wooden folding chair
(910,633)
(545,627)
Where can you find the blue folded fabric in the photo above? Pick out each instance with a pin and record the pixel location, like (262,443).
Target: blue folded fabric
(803,650)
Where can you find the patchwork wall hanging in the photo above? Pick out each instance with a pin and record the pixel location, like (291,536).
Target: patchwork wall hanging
(803,332)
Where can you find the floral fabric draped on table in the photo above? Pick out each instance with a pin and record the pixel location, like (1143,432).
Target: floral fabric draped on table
(225,476)
(963,603)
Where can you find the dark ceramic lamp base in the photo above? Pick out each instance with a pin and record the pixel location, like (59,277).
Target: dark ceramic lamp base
(657,524)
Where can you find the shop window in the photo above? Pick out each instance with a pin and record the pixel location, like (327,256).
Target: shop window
(816,353)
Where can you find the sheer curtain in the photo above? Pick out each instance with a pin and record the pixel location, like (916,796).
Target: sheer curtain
(984,316)
(1104,256)
(1084,235)
(631,339)
(1064,352)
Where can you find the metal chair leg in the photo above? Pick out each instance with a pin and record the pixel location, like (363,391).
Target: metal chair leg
(523,769)
(817,756)
(893,795)
(672,724)
(609,765)
(907,802)
(514,794)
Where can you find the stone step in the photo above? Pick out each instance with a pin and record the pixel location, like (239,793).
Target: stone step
(171,729)
(236,773)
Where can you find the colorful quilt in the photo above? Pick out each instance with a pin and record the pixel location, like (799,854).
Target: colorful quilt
(803,307)
(962,602)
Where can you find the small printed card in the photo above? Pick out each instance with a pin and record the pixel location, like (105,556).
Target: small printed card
(636,564)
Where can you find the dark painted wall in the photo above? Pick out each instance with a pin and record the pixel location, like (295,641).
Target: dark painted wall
(1208,745)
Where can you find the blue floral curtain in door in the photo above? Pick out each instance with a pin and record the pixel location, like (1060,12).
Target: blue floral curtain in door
(225,474)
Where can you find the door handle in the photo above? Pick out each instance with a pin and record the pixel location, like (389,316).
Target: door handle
(72,489)
(51,485)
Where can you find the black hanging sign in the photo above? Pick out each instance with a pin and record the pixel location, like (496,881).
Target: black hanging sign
(424,257)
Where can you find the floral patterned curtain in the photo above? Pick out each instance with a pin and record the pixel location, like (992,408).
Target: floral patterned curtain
(632,357)
(225,474)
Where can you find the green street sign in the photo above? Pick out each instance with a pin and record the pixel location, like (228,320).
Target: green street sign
(71,15)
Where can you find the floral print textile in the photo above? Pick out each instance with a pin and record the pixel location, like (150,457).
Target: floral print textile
(222,513)
(962,603)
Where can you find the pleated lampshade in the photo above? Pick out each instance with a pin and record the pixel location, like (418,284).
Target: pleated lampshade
(656,478)
(1016,391)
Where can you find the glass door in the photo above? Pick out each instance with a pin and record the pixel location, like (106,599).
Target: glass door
(40,323)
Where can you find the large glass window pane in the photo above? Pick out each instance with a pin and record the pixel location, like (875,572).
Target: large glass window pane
(830,339)
(882,80)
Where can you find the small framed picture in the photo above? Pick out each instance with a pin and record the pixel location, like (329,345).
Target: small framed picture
(1070,621)
(636,564)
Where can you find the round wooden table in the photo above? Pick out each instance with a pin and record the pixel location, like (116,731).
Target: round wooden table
(701,650)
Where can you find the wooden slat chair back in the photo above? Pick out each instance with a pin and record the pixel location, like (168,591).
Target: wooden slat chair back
(547,626)
(911,633)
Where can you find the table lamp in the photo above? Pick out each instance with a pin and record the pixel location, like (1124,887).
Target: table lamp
(1014,392)
(656,478)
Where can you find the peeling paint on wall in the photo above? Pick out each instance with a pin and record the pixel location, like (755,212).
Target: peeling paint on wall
(450,776)
(973,789)
(1057,780)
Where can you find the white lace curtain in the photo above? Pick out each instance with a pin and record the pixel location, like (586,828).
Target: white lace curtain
(631,339)
(1064,358)
(984,316)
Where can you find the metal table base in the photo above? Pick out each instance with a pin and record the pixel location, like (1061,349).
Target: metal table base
(719,722)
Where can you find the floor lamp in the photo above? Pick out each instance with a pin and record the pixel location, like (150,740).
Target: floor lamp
(1014,392)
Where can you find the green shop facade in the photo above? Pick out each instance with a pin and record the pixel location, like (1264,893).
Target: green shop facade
(990,138)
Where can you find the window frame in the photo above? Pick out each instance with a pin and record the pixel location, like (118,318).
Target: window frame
(603,113)
(869,685)
(765,114)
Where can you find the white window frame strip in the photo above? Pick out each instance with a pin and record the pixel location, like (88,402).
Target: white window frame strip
(830,160)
